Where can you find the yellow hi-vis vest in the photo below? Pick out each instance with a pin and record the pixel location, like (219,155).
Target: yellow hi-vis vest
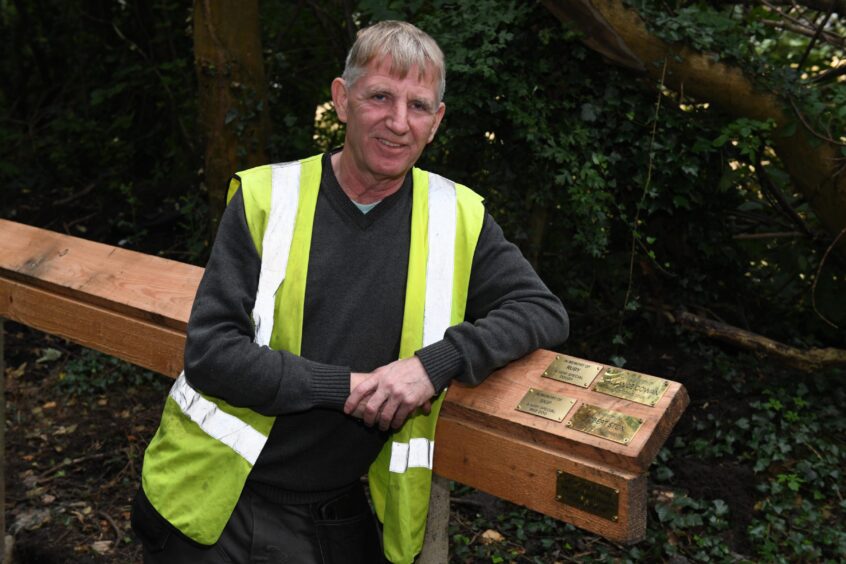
(199,459)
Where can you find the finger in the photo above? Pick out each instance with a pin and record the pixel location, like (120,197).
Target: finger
(374,407)
(359,394)
(389,411)
(400,416)
(427,407)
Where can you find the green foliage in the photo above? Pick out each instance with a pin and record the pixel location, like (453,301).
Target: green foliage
(92,372)
(97,109)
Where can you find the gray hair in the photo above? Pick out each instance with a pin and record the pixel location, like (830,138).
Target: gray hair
(406,44)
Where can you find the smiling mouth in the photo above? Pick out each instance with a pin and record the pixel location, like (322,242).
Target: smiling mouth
(387,143)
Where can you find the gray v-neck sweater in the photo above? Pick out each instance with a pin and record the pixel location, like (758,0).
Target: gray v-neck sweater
(355,291)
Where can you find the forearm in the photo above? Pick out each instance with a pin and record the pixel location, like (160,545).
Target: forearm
(221,358)
(510,313)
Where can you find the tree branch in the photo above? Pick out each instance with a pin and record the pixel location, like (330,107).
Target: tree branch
(810,360)
(813,167)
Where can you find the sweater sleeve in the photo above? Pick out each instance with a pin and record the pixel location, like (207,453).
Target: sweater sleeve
(510,313)
(221,358)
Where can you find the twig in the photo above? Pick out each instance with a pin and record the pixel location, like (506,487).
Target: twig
(770,188)
(75,195)
(817,278)
(118,533)
(646,184)
(830,74)
(811,129)
(801,29)
(813,40)
(66,463)
(774,235)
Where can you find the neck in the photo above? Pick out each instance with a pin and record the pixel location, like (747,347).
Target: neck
(361,188)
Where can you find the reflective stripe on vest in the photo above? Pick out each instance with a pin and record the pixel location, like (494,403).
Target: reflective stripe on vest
(216,423)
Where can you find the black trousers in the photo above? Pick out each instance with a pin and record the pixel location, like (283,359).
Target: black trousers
(342,530)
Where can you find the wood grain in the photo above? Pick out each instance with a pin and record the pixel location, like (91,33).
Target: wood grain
(155,347)
(526,473)
(135,284)
(492,404)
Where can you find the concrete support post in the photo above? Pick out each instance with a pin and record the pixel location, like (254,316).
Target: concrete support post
(436,543)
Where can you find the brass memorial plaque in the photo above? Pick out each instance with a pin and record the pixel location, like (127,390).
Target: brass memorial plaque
(594,498)
(572,370)
(632,386)
(545,404)
(611,425)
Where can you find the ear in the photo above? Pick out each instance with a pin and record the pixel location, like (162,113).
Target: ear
(340,98)
(439,115)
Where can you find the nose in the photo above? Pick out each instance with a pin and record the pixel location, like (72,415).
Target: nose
(397,120)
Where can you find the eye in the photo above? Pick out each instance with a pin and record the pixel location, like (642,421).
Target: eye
(379,96)
(420,106)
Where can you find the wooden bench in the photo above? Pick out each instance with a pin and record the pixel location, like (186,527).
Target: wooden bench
(510,436)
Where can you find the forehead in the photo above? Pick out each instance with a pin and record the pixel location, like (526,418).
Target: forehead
(381,71)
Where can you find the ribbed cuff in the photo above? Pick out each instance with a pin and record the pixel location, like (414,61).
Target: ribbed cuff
(330,385)
(442,362)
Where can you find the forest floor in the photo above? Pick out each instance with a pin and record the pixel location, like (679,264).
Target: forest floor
(78,423)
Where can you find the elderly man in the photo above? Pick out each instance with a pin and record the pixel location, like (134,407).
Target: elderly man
(343,294)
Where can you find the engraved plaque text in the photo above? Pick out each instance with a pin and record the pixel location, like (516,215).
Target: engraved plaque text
(545,404)
(572,370)
(611,425)
(632,386)
(594,498)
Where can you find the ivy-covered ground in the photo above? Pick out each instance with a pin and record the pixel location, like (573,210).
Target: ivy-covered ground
(753,472)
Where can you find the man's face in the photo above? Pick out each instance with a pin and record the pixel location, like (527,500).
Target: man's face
(390,120)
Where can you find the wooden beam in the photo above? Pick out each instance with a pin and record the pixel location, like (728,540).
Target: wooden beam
(145,343)
(134,284)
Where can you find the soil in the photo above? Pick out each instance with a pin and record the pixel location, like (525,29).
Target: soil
(74,457)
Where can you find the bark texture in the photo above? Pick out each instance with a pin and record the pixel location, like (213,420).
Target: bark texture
(809,360)
(233,113)
(815,166)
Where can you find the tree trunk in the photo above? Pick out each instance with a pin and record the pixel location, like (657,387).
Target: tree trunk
(233,113)
(816,167)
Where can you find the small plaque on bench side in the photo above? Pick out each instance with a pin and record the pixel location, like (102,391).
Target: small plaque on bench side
(611,425)
(572,371)
(586,495)
(545,404)
(632,386)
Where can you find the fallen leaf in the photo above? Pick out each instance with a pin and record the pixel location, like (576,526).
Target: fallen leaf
(30,520)
(48,355)
(47,499)
(491,536)
(28,477)
(101,547)
(35,492)
(62,430)
(103,401)
(16,372)
(49,405)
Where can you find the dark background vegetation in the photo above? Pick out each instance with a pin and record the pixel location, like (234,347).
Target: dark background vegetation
(636,202)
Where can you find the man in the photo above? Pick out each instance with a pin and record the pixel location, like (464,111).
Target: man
(324,273)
